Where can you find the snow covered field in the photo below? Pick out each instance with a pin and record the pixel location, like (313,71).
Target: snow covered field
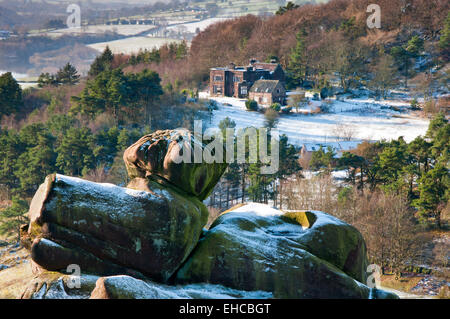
(359,119)
(127,30)
(132,44)
(192,26)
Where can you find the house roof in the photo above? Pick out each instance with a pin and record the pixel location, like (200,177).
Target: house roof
(254,66)
(265,66)
(264,86)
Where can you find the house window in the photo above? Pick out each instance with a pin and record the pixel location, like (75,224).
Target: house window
(218,78)
(265,99)
(243,90)
(217,89)
(236,79)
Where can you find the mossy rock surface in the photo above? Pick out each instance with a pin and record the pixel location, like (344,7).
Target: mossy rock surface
(160,155)
(291,254)
(110,230)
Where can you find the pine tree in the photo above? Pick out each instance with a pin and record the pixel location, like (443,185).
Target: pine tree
(68,75)
(404,54)
(47,79)
(182,50)
(108,91)
(391,161)
(441,144)
(321,159)
(415,46)
(75,154)
(419,149)
(38,159)
(352,163)
(106,145)
(10,95)
(289,6)
(146,89)
(444,41)
(434,193)
(10,150)
(288,165)
(102,63)
(298,62)
(232,175)
(384,78)
(436,124)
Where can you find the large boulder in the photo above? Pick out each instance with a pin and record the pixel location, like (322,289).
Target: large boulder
(126,287)
(293,255)
(160,156)
(109,230)
(56,285)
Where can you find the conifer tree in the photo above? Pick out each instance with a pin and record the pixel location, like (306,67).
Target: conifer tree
(68,75)
(297,61)
(10,94)
(102,62)
(75,154)
(434,192)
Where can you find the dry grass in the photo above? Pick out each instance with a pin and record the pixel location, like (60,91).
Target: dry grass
(14,280)
(404,283)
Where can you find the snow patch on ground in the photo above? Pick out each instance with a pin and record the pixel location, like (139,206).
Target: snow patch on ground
(366,118)
(192,26)
(140,289)
(258,209)
(132,44)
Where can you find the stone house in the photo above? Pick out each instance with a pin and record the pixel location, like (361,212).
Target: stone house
(236,81)
(267,92)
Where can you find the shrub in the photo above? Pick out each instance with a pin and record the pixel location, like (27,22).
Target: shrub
(430,107)
(414,104)
(276,107)
(212,105)
(251,105)
(286,110)
(325,107)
